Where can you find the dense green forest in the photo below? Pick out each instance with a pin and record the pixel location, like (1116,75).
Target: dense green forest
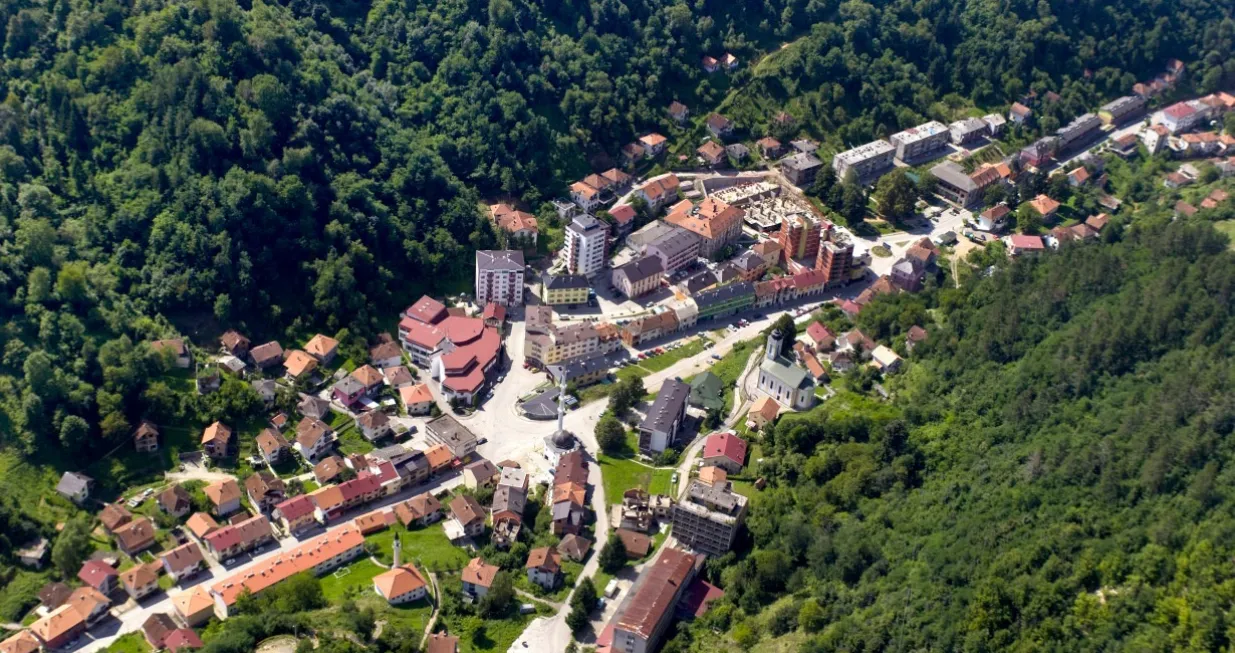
(1052,473)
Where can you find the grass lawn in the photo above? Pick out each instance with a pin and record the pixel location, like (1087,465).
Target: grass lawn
(351,580)
(428,547)
(129,643)
(1227,227)
(413,617)
(351,441)
(493,635)
(729,368)
(570,573)
(621,474)
(658,363)
(310,486)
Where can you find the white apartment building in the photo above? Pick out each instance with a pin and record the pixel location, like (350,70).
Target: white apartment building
(867,160)
(921,140)
(585,245)
(499,277)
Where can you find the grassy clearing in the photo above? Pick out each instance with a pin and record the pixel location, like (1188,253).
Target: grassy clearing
(658,363)
(350,581)
(621,474)
(491,635)
(1227,227)
(730,367)
(129,643)
(428,547)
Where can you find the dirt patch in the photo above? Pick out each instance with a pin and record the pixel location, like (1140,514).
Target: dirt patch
(280,644)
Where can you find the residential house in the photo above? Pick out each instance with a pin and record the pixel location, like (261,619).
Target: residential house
(994,218)
(439,458)
(156,628)
(762,412)
(99,575)
(399,376)
(1155,138)
(374,425)
(885,360)
(232,540)
(60,627)
(235,344)
(265,490)
(1019,244)
(182,639)
(523,228)
(420,510)
(23,641)
(448,431)
(544,567)
(801,169)
(313,438)
(638,277)
(386,354)
(663,425)
(654,144)
(216,440)
(769,148)
(299,365)
(726,451)
(315,407)
(146,437)
(819,337)
(738,152)
(225,495)
(417,399)
(678,112)
(636,544)
(266,355)
(467,518)
(201,525)
(113,516)
(719,126)
(481,473)
(195,606)
(328,470)
(657,192)
(296,514)
(1019,113)
(574,547)
(272,446)
(402,584)
(477,578)
(174,501)
(183,561)
(1045,206)
(141,580)
(90,603)
(335,500)
(135,536)
(712,153)
(174,348)
(75,487)
(323,348)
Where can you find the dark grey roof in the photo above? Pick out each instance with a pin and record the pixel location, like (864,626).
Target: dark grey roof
(73,483)
(498,260)
(747,260)
(543,405)
(737,151)
(728,273)
(790,375)
(449,430)
(640,269)
(675,242)
(348,385)
(953,175)
(509,498)
(565,281)
(579,366)
(392,452)
(669,405)
(699,281)
(723,294)
(804,146)
(714,497)
(582,224)
(802,161)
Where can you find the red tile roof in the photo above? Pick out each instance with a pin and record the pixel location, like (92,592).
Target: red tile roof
(656,593)
(728,445)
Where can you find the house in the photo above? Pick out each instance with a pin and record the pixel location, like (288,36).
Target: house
(706,392)
(374,425)
(1185,209)
(785,382)
(738,152)
(1176,180)
(439,458)
(574,547)
(265,490)
(299,365)
(75,487)
(420,510)
(710,64)
(664,422)
(313,438)
(638,277)
(315,407)
(225,495)
(399,376)
(235,344)
(448,431)
(296,514)
(479,474)
(1098,222)
(230,541)
(914,337)
(885,360)
(323,348)
(656,192)
(819,337)
(654,144)
(1019,113)
(146,437)
(33,552)
(402,584)
(183,561)
(1155,138)
(762,412)
(719,126)
(713,476)
(1078,176)
(201,525)
(467,518)
(141,580)
(216,440)
(1021,244)
(523,228)
(135,536)
(1045,206)
(417,399)
(678,112)
(478,577)
(272,446)
(114,516)
(266,355)
(90,603)
(182,639)
(60,627)
(769,148)
(994,123)
(726,451)
(544,567)
(99,575)
(195,606)
(176,350)
(711,153)
(335,500)
(156,628)
(994,218)
(800,169)
(369,377)
(729,61)
(23,641)
(637,544)
(386,354)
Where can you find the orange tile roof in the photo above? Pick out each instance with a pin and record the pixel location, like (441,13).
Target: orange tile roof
(766,407)
(711,219)
(299,363)
(217,432)
(368,375)
(287,564)
(86,600)
(438,455)
(23,642)
(201,524)
(193,601)
(1044,205)
(221,492)
(321,346)
(713,475)
(478,572)
(399,581)
(61,620)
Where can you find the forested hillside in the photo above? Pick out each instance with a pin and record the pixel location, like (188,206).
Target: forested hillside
(1053,472)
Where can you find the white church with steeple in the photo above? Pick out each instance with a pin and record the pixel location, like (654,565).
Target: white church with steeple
(787,384)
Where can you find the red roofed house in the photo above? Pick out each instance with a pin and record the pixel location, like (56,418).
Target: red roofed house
(725,450)
(653,144)
(296,514)
(478,577)
(230,541)
(1022,244)
(819,338)
(182,639)
(711,153)
(1045,206)
(645,616)
(99,575)
(183,561)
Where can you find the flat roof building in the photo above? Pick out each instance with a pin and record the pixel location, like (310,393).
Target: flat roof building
(869,160)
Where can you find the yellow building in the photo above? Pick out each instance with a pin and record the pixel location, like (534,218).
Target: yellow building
(565,289)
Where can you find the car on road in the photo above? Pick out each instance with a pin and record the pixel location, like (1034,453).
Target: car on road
(716,357)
